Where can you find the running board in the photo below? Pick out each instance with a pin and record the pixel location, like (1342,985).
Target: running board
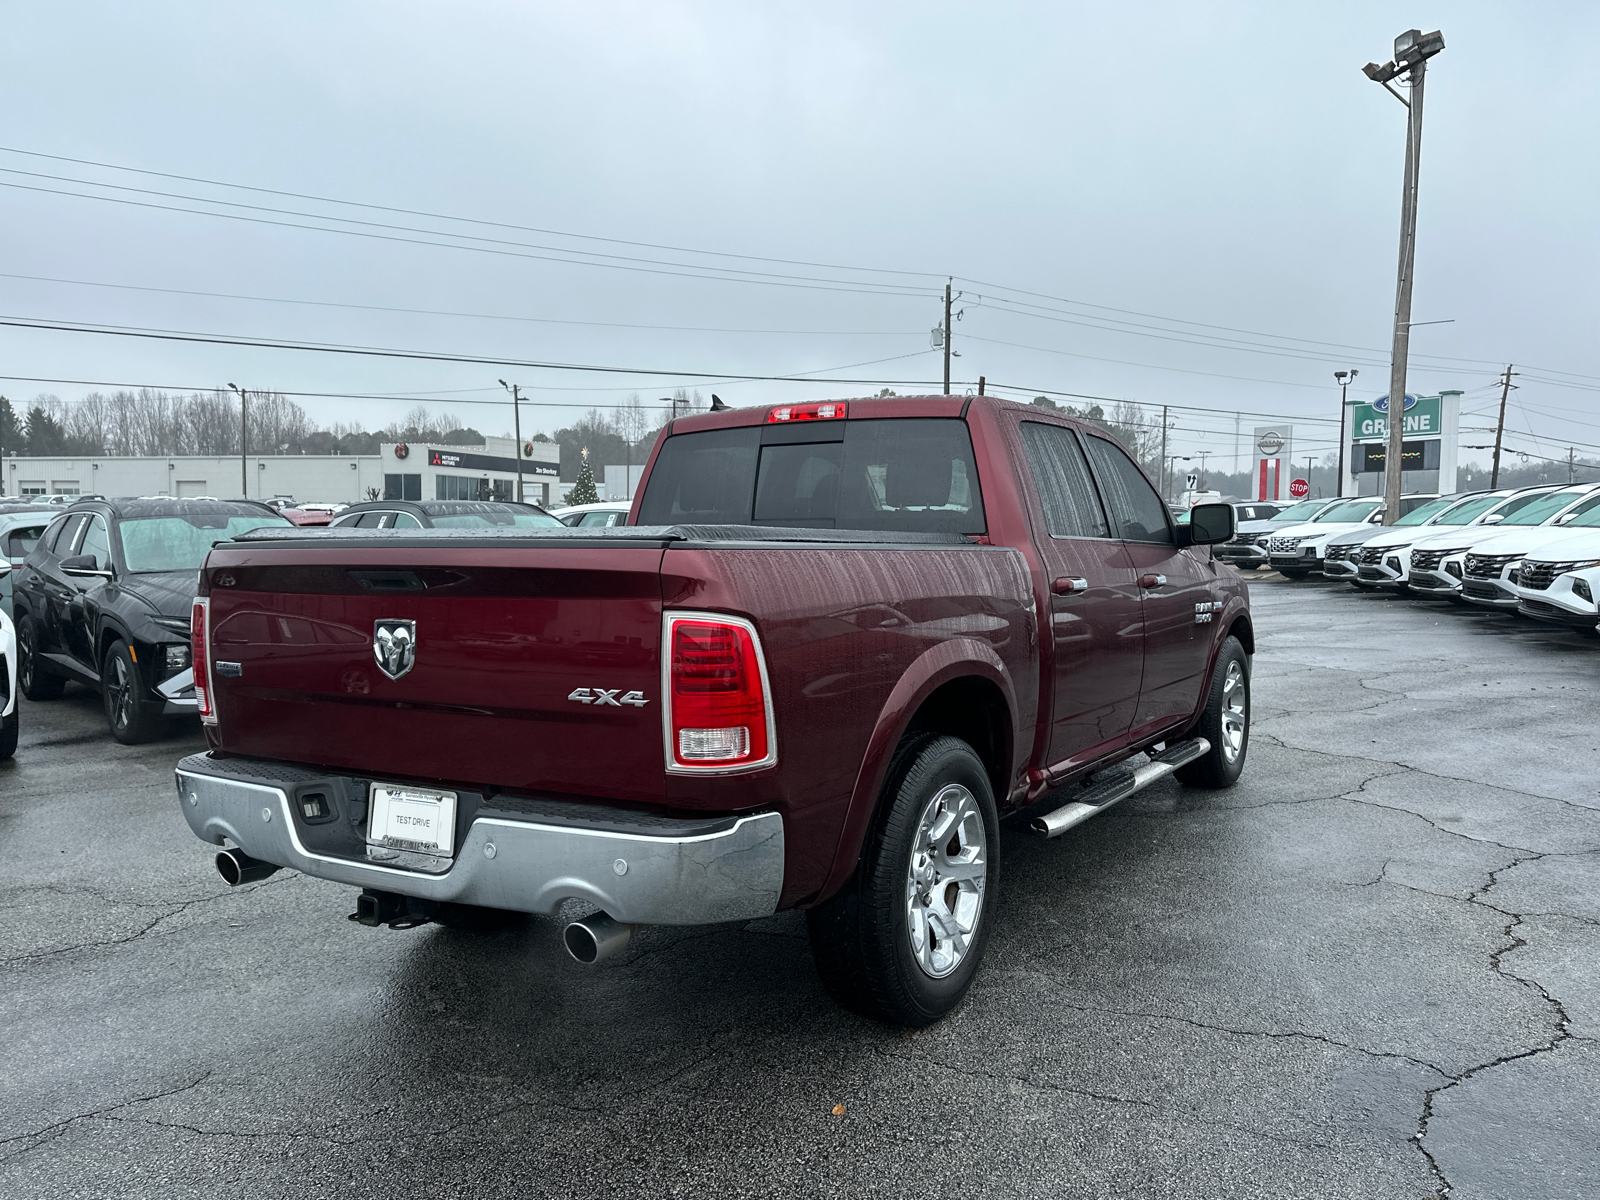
(1116,785)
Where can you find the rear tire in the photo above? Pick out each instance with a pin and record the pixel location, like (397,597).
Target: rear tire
(9,727)
(33,678)
(1225,723)
(122,689)
(903,941)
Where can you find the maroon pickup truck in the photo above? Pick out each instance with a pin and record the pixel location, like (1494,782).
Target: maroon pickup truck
(834,646)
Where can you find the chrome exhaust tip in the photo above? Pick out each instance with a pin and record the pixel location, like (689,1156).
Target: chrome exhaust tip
(237,867)
(596,938)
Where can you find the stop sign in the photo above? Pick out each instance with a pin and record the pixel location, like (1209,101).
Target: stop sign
(1299,489)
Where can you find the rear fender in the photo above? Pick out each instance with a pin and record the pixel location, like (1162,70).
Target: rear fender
(955,659)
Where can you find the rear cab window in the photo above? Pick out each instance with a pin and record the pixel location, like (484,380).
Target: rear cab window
(900,474)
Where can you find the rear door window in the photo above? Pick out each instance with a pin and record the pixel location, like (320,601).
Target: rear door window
(21,541)
(905,474)
(1061,476)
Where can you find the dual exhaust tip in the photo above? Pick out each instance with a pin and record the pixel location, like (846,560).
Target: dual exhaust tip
(591,940)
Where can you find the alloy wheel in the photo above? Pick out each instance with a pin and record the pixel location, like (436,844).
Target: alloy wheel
(1235,714)
(945,880)
(121,693)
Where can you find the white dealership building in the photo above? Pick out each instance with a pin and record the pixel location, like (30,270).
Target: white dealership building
(399,471)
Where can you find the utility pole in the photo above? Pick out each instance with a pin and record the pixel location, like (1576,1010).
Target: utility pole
(1500,428)
(1345,378)
(947,336)
(1203,455)
(981,381)
(1412,49)
(516,426)
(244,442)
(1164,491)
(1571,451)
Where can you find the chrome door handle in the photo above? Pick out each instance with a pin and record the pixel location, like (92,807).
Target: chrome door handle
(1152,581)
(1069,586)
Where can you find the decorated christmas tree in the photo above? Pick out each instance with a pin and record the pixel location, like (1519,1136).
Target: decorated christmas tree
(583,492)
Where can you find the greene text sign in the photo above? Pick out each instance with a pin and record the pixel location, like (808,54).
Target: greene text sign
(1422,420)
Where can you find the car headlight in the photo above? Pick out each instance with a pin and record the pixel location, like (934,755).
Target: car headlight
(1392,562)
(1580,587)
(1453,568)
(177,657)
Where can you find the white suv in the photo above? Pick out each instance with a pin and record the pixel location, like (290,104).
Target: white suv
(1298,550)
(1370,557)
(1559,580)
(1489,567)
(1433,563)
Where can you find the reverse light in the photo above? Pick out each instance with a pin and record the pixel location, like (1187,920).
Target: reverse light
(830,411)
(200,658)
(718,715)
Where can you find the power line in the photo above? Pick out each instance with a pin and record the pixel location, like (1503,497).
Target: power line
(691,273)
(412,212)
(171,335)
(432,312)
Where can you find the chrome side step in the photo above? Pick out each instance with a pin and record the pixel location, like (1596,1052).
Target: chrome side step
(1116,785)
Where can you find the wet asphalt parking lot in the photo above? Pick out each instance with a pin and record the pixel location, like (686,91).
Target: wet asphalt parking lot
(1370,970)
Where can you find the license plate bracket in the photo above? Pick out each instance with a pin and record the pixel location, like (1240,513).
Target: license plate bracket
(403,821)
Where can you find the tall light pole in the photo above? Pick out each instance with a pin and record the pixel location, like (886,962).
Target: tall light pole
(244,442)
(1412,50)
(516,427)
(1345,378)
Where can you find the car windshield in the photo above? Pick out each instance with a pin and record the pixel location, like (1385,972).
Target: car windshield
(1469,510)
(1420,516)
(478,520)
(1303,511)
(1539,509)
(181,543)
(1356,510)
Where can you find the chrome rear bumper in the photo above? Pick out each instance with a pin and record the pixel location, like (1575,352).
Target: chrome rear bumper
(672,872)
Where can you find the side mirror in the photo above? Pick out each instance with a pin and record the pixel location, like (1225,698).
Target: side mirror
(83,566)
(1210,524)
(1565,517)
(1494,518)
(5,567)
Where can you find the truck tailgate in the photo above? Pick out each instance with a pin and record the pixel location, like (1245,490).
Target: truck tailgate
(508,640)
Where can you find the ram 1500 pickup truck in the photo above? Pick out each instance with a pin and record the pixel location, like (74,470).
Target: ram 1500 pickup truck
(834,645)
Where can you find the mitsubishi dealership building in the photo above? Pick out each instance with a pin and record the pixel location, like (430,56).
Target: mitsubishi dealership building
(399,471)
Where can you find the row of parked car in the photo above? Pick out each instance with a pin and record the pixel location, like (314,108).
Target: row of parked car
(1533,550)
(98,592)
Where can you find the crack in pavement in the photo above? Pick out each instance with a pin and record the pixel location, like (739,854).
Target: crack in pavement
(173,910)
(1102,1097)
(1237,1032)
(55,1129)
(1563,1024)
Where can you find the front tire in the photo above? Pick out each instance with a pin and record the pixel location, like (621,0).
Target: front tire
(33,680)
(1225,723)
(904,939)
(122,688)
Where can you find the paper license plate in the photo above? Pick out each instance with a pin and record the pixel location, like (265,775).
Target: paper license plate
(416,819)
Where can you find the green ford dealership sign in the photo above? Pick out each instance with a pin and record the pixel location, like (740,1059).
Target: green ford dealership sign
(1422,418)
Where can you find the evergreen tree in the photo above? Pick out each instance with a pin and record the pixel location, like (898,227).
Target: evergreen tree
(44,435)
(10,429)
(583,492)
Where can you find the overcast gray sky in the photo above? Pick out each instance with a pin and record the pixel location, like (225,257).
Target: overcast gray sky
(1222,164)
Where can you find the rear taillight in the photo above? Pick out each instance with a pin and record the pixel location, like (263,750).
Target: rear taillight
(200,658)
(830,411)
(718,712)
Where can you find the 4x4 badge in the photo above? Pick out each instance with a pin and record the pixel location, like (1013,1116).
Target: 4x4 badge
(604,696)
(394,645)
